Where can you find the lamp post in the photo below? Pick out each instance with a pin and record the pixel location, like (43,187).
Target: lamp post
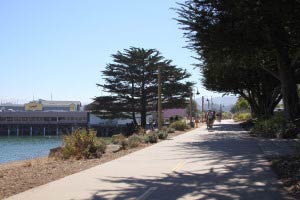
(203,111)
(191,104)
(207,103)
(159,107)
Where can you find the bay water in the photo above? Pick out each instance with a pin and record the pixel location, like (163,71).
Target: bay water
(24,148)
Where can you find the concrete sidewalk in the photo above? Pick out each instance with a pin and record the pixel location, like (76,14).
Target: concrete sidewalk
(222,163)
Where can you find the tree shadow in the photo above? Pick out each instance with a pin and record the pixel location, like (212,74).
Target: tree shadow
(230,166)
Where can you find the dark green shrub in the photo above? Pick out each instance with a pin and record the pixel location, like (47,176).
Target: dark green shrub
(291,131)
(170,130)
(162,135)
(134,141)
(152,137)
(82,144)
(179,125)
(175,118)
(117,139)
(268,127)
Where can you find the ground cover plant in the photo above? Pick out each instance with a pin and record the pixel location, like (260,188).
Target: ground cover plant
(82,144)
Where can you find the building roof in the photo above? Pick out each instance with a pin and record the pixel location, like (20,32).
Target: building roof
(11,104)
(59,103)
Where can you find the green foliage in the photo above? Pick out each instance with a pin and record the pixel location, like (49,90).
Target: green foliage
(81,144)
(152,137)
(132,79)
(170,130)
(175,118)
(162,135)
(237,55)
(268,127)
(134,141)
(179,125)
(226,115)
(240,106)
(239,117)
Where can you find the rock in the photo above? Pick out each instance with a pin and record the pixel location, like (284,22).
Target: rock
(55,152)
(113,148)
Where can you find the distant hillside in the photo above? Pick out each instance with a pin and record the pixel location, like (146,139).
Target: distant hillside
(227,101)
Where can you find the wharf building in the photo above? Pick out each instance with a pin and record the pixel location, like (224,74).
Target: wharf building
(42,118)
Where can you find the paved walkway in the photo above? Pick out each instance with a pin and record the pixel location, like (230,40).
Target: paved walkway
(222,164)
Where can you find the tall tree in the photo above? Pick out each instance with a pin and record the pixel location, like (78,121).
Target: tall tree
(132,82)
(260,89)
(247,27)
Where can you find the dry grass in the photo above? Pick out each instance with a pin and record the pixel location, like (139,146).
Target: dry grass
(20,176)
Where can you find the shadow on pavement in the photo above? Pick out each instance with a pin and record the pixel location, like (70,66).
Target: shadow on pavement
(231,167)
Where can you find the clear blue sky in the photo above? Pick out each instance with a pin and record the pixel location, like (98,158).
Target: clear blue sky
(60,46)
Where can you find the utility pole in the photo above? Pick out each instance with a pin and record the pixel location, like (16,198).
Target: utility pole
(159,108)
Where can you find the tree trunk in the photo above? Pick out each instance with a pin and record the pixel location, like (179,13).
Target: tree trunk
(134,119)
(143,119)
(290,94)
(263,102)
(132,104)
(143,109)
(287,72)
(288,80)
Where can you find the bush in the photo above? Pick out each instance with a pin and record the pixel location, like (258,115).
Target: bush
(226,115)
(238,117)
(152,137)
(170,130)
(134,141)
(162,135)
(268,127)
(179,125)
(164,128)
(118,139)
(140,131)
(124,143)
(144,138)
(82,144)
(175,118)
(291,131)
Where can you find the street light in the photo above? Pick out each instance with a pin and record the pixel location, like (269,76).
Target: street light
(207,103)
(159,108)
(191,104)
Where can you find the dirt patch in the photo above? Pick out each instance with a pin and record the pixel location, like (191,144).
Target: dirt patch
(288,171)
(20,176)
